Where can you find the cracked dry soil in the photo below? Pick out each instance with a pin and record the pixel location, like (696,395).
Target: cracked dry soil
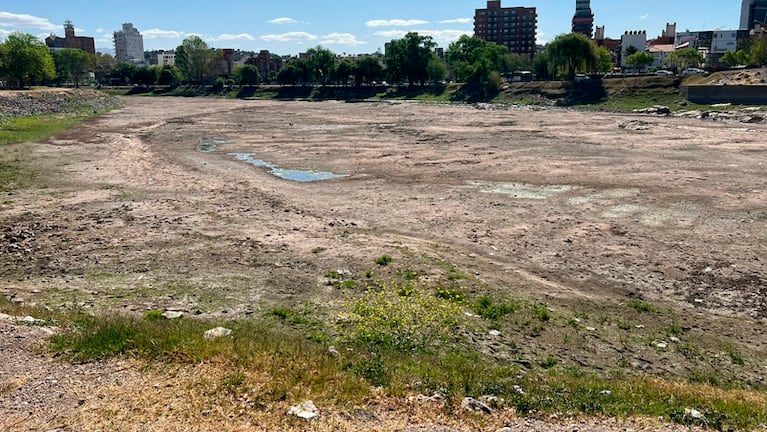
(561,206)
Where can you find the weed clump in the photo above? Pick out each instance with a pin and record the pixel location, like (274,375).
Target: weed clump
(403,318)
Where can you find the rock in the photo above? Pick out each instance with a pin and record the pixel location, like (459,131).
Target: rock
(306,410)
(660,344)
(493,401)
(171,315)
(217,333)
(693,414)
(495,333)
(472,405)
(333,351)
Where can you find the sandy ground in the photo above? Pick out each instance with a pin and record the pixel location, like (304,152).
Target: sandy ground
(147,207)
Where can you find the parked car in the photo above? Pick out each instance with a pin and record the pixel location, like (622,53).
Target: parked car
(693,71)
(582,77)
(663,72)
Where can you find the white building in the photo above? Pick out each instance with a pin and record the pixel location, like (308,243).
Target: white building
(636,39)
(129,45)
(166,59)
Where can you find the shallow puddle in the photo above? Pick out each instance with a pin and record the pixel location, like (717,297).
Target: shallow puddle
(302,176)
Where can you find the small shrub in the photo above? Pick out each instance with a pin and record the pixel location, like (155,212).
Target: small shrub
(450,294)
(281,313)
(549,362)
(374,370)
(408,274)
(641,306)
(383,260)
(624,325)
(542,312)
(406,291)
(675,330)
(387,319)
(736,357)
(488,309)
(349,284)
(318,250)
(153,315)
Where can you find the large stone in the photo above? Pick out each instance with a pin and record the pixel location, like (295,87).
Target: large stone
(306,410)
(171,315)
(472,405)
(217,333)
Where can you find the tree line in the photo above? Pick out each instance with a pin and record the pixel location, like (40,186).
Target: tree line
(411,60)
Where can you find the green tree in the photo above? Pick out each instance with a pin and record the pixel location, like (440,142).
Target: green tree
(685,58)
(631,49)
(735,58)
(407,59)
(604,60)
(368,70)
(344,71)
(322,62)
(288,74)
(27,59)
(144,76)
(169,76)
(246,75)
(124,72)
(758,52)
(541,67)
(103,65)
(571,53)
(473,60)
(196,60)
(72,64)
(518,62)
(640,60)
(437,69)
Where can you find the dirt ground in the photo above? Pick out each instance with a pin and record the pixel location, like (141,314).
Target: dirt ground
(148,207)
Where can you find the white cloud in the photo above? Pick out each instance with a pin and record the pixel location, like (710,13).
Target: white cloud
(283,21)
(157,34)
(438,35)
(645,16)
(456,21)
(231,37)
(395,23)
(341,39)
(8,19)
(289,37)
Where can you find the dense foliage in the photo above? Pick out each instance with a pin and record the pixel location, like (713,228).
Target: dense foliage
(26,60)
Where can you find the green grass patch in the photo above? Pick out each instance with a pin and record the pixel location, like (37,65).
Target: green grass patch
(642,307)
(383,260)
(382,352)
(490,309)
(37,127)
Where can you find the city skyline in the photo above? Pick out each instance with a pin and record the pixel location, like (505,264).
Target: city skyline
(345,27)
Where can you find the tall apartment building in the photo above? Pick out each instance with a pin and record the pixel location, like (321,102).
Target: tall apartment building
(87,44)
(583,20)
(753,12)
(129,44)
(513,27)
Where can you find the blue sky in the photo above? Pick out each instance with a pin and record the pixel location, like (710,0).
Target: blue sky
(345,26)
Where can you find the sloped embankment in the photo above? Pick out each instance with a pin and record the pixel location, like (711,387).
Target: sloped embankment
(51,101)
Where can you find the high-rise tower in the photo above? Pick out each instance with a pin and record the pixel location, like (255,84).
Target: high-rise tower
(583,20)
(513,27)
(129,44)
(753,12)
